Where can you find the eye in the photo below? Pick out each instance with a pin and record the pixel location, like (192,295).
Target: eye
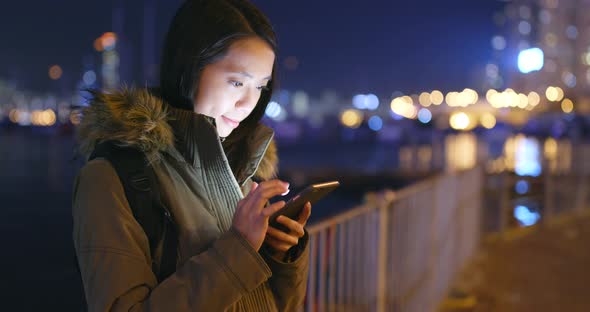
(263,88)
(236,84)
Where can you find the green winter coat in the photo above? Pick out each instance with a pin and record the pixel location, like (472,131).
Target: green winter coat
(217,269)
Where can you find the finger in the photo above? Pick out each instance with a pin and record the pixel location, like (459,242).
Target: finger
(268,189)
(305,213)
(282,236)
(258,196)
(261,199)
(254,187)
(269,210)
(276,244)
(248,198)
(292,225)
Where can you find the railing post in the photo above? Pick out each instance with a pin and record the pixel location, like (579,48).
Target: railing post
(382,253)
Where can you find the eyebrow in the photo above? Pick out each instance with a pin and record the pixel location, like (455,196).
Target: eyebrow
(249,75)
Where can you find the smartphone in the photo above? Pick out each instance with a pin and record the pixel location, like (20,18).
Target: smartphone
(295,205)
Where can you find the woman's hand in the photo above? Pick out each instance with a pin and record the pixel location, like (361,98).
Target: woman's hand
(281,241)
(251,217)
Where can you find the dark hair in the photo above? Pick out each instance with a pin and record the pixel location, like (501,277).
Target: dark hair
(201,33)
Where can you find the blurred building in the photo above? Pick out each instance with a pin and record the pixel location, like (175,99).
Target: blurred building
(560,30)
(138,42)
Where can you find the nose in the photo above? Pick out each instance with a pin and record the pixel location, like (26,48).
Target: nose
(248,100)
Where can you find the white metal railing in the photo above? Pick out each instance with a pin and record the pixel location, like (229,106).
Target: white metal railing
(400,250)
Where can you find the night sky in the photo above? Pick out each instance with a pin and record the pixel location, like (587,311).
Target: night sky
(345,46)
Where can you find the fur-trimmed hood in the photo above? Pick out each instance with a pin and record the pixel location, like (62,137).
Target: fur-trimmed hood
(136,117)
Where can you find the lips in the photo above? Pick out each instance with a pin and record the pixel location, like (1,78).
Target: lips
(232,123)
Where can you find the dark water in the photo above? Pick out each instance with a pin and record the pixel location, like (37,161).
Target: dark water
(38,257)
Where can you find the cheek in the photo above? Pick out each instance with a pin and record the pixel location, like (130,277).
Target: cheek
(213,101)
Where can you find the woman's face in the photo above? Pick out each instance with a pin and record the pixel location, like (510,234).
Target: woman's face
(230,88)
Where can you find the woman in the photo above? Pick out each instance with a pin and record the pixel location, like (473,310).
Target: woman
(203,137)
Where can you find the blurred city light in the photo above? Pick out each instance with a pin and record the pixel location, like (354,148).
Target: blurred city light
(358,101)
(571,32)
(451,99)
(424,115)
(525,216)
(524,27)
(55,72)
(375,123)
(89,77)
(488,121)
(43,118)
(23,118)
(108,41)
(527,157)
(404,106)
(551,39)
(436,97)
(550,148)
(569,79)
(534,99)
(273,110)
(371,101)
(351,118)
(498,42)
(300,104)
(567,106)
(554,94)
(530,60)
(460,121)
(424,99)
(490,94)
(521,187)
(365,101)
(13,115)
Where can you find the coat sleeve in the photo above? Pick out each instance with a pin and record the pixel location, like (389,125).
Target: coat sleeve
(115,263)
(289,278)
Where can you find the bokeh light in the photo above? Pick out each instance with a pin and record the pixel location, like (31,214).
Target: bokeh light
(521,187)
(568,79)
(55,72)
(424,115)
(498,43)
(488,121)
(525,216)
(436,97)
(459,121)
(404,106)
(530,60)
(375,123)
(534,98)
(567,106)
(351,118)
(371,101)
(524,27)
(89,77)
(424,99)
(554,94)
(273,110)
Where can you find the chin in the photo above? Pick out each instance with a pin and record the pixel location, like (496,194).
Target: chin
(224,133)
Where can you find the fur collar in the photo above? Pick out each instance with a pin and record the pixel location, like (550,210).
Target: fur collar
(135,117)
